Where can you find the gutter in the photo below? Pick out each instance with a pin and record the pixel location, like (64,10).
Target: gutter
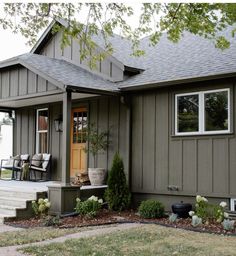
(87,90)
(154,85)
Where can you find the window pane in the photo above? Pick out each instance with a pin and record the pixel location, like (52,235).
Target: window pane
(43,142)
(216,111)
(188,110)
(43,120)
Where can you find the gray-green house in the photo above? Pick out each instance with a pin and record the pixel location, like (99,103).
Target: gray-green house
(171,113)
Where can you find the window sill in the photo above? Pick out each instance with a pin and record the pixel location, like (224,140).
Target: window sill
(223,134)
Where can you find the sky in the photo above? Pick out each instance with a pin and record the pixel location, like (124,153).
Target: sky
(15,44)
(12,44)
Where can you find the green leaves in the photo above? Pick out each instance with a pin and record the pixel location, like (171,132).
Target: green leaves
(117,194)
(203,19)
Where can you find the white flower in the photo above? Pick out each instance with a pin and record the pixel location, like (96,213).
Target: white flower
(40,201)
(48,204)
(226,215)
(191,213)
(94,198)
(204,199)
(46,200)
(223,204)
(198,198)
(100,201)
(78,199)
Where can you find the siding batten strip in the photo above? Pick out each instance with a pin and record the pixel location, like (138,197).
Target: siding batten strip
(228,165)
(142,142)
(196,164)
(155,140)
(212,166)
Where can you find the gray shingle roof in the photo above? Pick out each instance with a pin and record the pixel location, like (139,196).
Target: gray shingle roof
(192,57)
(67,73)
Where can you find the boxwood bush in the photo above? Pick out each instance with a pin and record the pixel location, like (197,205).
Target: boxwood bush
(151,209)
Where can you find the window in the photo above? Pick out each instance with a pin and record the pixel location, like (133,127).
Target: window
(42,131)
(79,126)
(205,112)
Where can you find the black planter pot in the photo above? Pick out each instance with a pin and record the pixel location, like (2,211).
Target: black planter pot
(182,209)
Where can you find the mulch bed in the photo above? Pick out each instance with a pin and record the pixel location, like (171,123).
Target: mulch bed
(106,217)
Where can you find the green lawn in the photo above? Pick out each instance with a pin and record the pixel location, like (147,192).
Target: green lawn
(34,235)
(6,174)
(147,240)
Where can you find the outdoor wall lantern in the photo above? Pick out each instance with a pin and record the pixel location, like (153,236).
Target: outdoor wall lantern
(58,124)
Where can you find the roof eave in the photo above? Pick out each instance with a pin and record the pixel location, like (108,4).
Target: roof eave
(154,85)
(81,89)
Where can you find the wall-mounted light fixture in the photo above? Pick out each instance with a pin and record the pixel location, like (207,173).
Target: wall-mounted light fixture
(58,124)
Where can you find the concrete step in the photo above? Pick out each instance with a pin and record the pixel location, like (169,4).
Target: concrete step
(18,193)
(16,202)
(8,210)
(4,216)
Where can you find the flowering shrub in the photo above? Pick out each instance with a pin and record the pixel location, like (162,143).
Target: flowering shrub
(90,207)
(206,211)
(41,207)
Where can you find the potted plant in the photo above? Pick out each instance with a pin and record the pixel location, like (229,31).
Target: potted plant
(97,143)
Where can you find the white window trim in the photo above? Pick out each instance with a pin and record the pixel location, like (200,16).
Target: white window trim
(201,115)
(41,131)
(232,204)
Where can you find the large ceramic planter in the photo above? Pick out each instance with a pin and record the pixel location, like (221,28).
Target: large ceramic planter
(182,209)
(97,176)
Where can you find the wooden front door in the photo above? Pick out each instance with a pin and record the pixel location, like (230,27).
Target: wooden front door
(78,141)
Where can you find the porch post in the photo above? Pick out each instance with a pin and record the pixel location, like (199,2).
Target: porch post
(65,175)
(63,196)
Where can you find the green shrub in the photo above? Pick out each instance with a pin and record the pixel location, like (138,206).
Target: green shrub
(117,194)
(151,209)
(90,207)
(41,207)
(209,212)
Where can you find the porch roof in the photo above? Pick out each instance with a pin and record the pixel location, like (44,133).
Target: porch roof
(61,73)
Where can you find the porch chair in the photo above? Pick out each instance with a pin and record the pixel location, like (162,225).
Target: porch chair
(40,163)
(14,164)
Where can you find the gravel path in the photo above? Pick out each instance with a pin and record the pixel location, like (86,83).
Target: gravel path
(12,250)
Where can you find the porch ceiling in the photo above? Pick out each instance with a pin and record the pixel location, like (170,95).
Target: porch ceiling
(43,99)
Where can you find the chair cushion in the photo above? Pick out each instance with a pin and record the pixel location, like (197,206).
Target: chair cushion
(16,160)
(24,157)
(37,160)
(46,158)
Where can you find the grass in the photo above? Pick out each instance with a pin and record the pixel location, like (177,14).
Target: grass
(6,174)
(34,235)
(147,240)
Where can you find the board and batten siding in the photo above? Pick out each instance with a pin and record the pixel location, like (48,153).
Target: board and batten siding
(72,53)
(107,113)
(20,81)
(110,114)
(195,164)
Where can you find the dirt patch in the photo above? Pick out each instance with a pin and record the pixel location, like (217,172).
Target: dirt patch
(109,217)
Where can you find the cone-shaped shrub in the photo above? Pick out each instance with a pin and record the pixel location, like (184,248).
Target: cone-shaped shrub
(117,194)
